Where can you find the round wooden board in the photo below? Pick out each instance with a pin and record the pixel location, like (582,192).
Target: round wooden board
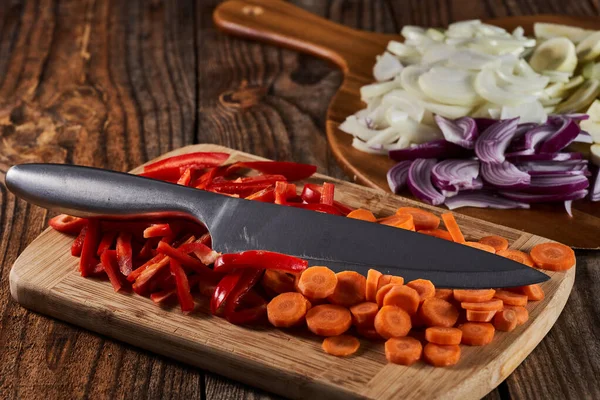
(354,52)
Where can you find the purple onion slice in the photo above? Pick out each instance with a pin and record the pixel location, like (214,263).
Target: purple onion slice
(544,198)
(546,157)
(557,184)
(505,175)
(595,194)
(492,143)
(569,167)
(564,135)
(584,137)
(419,181)
(462,131)
(454,175)
(482,199)
(398,175)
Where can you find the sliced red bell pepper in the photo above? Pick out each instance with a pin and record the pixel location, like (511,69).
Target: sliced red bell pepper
(186,301)
(163,295)
(170,168)
(125,253)
(244,186)
(207,287)
(147,250)
(157,230)
(291,170)
(206,255)
(77,245)
(186,177)
(88,259)
(247,315)
(206,240)
(280,192)
(291,191)
(67,224)
(259,259)
(223,290)
(266,195)
(327,193)
(142,283)
(247,279)
(106,242)
(324,208)
(111,267)
(184,259)
(311,193)
(169,290)
(161,280)
(206,178)
(98,271)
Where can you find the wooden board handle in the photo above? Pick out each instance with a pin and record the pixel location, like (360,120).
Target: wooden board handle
(281,23)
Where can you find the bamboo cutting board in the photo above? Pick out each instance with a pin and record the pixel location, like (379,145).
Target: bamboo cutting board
(45,279)
(354,52)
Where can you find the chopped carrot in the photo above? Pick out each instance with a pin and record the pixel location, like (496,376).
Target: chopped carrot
(516,255)
(505,320)
(317,282)
(328,320)
(368,333)
(403,350)
(481,246)
(404,221)
(403,297)
(422,219)
(392,321)
(440,355)
(522,313)
(477,333)
(480,316)
(287,309)
(279,281)
(383,280)
(497,242)
(424,287)
(372,284)
(382,292)
(492,305)
(533,292)
(473,296)
(341,346)
(438,233)
(510,298)
(444,294)
(438,312)
(363,314)
(453,227)
(397,280)
(443,335)
(350,289)
(364,215)
(553,256)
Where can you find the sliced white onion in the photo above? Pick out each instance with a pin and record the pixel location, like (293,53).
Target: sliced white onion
(487,87)
(528,112)
(449,86)
(435,35)
(557,76)
(400,49)
(412,32)
(352,126)
(445,110)
(402,100)
(522,83)
(437,52)
(410,80)
(394,116)
(378,89)
(362,146)
(574,82)
(418,133)
(470,59)
(385,136)
(386,67)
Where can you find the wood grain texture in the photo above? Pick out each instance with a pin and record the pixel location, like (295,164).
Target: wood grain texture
(43,358)
(45,278)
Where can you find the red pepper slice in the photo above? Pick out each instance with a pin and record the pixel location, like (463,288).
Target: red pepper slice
(203,252)
(311,193)
(111,267)
(67,224)
(143,282)
(169,290)
(324,208)
(159,258)
(247,279)
(280,192)
(327,193)
(291,170)
(186,301)
(88,260)
(170,168)
(206,179)
(266,195)
(291,191)
(147,250)
(259,259)
(184,259)
(125,253)
(157,230)
(206,240)
(106,241)
(186,177)
(77,245)
(224,290)
(248,315)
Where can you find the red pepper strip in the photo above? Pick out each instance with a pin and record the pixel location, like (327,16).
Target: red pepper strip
(67,224)
(157,230)
(259,259)
(186,260)
(125,253)
(163,279)
(163,295)
(324,208)
(242,185)
(77,245)
(266,195)
(169,168)
(186,301)
(186,177)
(109,263)
(142,284)
(327,193)
(203,252)
(147,250)
(291,191)
(280,192)
(105,243)
(207,287)
(205,240)
(154,260)
(88,259)
(311,193)
(247,279)
(207,178)
(98,270)
(291,170)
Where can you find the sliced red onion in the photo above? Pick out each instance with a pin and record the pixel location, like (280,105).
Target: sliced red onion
(505,175)
(575,116)
(595,195)
(419,181)
(584,137)
(434,149)
(568,207)
(569,167)
(528,143)
(546,157)
(454,175)
(494,140)
(523,129)
(482,199)
(566,133)
(462,131)
(484,123)
(398,175)
(543,198)
(557,184)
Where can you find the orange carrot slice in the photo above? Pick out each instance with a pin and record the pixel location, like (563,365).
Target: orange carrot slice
(477,333)
(397,280)
(443,335)
(481,246)
(350,289)
(440,355)
(328,320)
(372,284)
(384,280)
(341,346)
(517,255)
(553,256)
(403,350)
(424,287)
(364,215)
(492,305)
(369,333)
(286,309)
(444,294)
(392,322)
(403,221)
(473,296)
(279,281)
(317,282)
(403,297)
(363,314)
(505,320)
(522,313)
(497,242)
(422,219)
(533,292)
(438,233)
(510,298)
(453,227)
(382,292)
(438,312)
(480,316)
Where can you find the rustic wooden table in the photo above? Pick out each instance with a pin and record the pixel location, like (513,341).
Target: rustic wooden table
(115,83)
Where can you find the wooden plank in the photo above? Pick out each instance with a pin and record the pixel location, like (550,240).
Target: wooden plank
(45,279)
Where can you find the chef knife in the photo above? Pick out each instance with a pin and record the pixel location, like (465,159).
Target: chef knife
(236,225)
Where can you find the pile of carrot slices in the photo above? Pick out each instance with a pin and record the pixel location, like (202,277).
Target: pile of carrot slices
(172,261)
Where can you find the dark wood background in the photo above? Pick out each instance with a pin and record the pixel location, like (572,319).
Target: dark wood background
(115,83)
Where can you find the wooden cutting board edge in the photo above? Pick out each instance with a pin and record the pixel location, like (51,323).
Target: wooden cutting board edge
(35,289)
